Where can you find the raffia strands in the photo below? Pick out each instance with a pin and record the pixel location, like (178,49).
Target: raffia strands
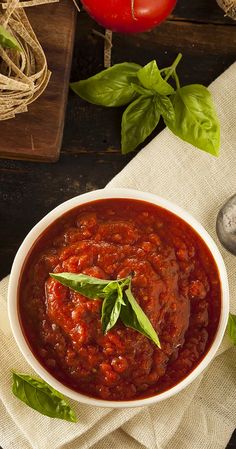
(23,75)
(229,7)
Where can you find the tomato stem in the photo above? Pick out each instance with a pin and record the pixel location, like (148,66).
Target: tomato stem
(132,10)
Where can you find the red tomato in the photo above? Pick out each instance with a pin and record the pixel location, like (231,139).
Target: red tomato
(129,16)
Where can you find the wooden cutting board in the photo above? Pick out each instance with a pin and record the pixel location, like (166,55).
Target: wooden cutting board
(36,135)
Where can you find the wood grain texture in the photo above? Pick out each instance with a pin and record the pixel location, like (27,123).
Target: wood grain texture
(205,11)
(37,134)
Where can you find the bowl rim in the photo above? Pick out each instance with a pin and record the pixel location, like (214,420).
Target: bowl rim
(40,227)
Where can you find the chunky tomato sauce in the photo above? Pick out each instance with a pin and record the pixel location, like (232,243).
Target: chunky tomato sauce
(174,279)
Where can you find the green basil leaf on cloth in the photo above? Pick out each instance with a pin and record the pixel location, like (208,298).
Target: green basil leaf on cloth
(195,118)
(231,328)
(40,396)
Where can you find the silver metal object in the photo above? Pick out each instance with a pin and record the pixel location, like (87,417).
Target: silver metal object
(226,225)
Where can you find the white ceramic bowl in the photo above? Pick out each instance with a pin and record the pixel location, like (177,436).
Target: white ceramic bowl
(40,228)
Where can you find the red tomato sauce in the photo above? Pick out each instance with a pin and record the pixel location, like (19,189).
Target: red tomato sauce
(174,279)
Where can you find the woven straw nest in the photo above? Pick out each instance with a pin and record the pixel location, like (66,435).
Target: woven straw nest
(229,7)
(24,73)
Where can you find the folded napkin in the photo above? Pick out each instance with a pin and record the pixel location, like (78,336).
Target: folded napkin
(204,414)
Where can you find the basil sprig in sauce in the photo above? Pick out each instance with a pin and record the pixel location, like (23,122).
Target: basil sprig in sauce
(187,111)
(118,301)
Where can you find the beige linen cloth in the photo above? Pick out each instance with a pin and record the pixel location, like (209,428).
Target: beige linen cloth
(204,414)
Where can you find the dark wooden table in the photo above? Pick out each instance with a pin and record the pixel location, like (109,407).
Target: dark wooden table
(90,154)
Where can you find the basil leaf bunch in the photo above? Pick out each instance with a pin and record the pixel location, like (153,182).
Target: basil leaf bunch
(40,396)
(187,111)
(231,328)
(118,301)
(7,40)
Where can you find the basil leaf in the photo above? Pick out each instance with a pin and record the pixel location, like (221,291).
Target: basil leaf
(120,287)
(129,318)
(165,107)
(110,311)
(133,316)
(86,285)
(7,40)
(111,87)
(195,118)
(231,328)
(142,90)
(138,121)
(111,305)
(38,395)
(150,77)
(117,287)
